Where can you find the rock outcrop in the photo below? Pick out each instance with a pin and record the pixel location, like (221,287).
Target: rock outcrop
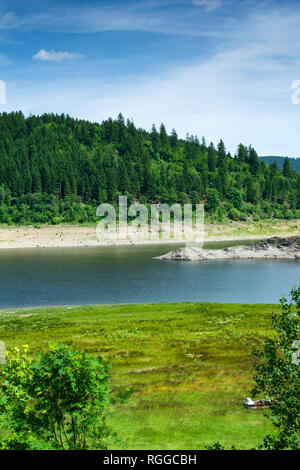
(272,248)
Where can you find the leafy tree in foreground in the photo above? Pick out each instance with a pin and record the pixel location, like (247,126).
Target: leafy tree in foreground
(60,400)
(278,376)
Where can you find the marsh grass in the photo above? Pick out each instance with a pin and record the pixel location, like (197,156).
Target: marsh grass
(189,364)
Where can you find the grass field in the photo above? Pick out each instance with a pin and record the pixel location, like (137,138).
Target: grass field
(189,364)
(257,229)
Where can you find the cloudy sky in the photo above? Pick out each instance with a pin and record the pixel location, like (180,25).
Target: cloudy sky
(215,68)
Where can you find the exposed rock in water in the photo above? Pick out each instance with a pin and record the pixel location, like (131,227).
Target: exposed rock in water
(273,248)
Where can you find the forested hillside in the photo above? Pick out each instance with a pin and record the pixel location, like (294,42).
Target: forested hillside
(57,169)
(294,162)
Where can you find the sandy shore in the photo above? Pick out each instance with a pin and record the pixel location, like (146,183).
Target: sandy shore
(272,248)
(80,236)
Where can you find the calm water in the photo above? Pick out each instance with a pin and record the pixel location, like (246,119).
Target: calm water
(71,276)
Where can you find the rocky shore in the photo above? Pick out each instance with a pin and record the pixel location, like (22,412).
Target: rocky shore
(272,248)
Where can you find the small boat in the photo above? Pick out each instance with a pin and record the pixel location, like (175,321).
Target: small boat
(255,404)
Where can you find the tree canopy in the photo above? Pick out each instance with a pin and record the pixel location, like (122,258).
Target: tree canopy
(54,168)
(57,400)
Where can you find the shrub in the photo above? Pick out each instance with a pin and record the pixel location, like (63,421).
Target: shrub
(235,197)
(212,199)
(234,214)
(60,400)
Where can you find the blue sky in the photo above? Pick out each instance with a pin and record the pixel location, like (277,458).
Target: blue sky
(218,68)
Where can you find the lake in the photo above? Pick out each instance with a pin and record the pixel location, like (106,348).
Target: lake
(73,276)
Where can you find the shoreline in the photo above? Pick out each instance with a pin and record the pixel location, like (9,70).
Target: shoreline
(72,236)
(66,308)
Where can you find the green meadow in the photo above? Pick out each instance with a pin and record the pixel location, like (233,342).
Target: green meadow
(189,364)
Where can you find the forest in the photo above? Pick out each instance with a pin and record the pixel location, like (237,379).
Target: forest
(295,162)
(56,169)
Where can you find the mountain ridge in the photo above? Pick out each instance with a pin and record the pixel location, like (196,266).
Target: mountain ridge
(295,162)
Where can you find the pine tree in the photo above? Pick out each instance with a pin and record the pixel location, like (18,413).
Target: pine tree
(287,169)
(254,162)
(174,141)
(211,157)
(155,139)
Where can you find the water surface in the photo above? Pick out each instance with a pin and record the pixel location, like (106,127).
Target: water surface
(74,276)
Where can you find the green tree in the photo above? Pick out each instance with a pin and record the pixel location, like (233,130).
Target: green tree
(242,153)
(212,199)
(59,400)
(174,140)
(164,139)
(155,139)
(287,169)
(254,162)
(211,157)
(222,157)
(235,197)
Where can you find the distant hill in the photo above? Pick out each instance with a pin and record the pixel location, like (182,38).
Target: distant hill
(295,162)
(55,169)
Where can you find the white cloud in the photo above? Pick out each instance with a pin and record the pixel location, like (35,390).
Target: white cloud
(242,94)
(53,56)
(151,16)
(209,5)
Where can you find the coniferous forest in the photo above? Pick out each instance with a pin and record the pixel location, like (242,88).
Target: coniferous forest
(295,162)
(56,169)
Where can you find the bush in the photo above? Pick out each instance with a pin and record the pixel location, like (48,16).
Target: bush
(289,214)
(235,214)
(212,199)
(59,400)
(235,197)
